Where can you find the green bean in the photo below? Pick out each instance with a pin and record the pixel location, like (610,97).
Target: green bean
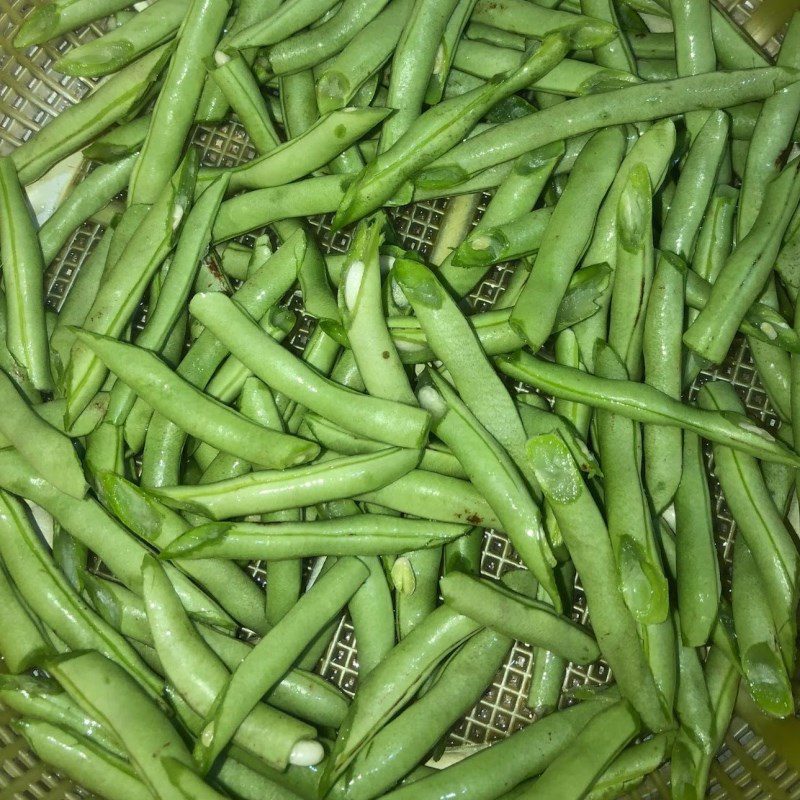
(310,151)
(393,683)
(759,522)
(23,265)
(125,283)
(631,766)
(177,100)
(518,617)
(516,195)
(309,48)
(490,772)
(746,271)
(761,321)
(149,28)
(646,404)
(445,52)
(298,102)
(695,187)
(514,239)
(232,75)
(772,133)
(583,114)
(61,16)
(479,32)
(663,329)
(282,645)
(45,448)
(735,50)
(538,21)
(570,78)
(656,69)
(377,534)
(630,524)
(714,245)
(79,301)
(431,133)
(451,338)
(634,270)
(567,352)
(566,237)
(92,194)
(464,554)
(248,784)
(763,664)
(406,739)
(90,524)
(360,305)
(202,416)
(549,670)
(434,496)
(617,53)
(647,44)
(493,474)
(302,198)
(286,20)
(698,578)
(53,600)
(541,420)
(592,751)
(106,691)
(267,491)
(415,574)
(78,125)
(587,539)
(266,732)
(23,644)
(161,527)
(339,78)
(383,420)
(83,761)
(71,557)
(694,49)
(340,441)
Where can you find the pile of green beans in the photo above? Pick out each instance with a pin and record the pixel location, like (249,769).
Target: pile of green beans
(643,212)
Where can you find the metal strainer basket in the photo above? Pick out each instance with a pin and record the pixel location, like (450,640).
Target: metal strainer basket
(763,764)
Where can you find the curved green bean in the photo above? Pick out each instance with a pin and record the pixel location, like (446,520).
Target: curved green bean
(203,417)
(583,114)
(384,420)
(646,404)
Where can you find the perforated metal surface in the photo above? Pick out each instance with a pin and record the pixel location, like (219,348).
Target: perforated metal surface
(30,94)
